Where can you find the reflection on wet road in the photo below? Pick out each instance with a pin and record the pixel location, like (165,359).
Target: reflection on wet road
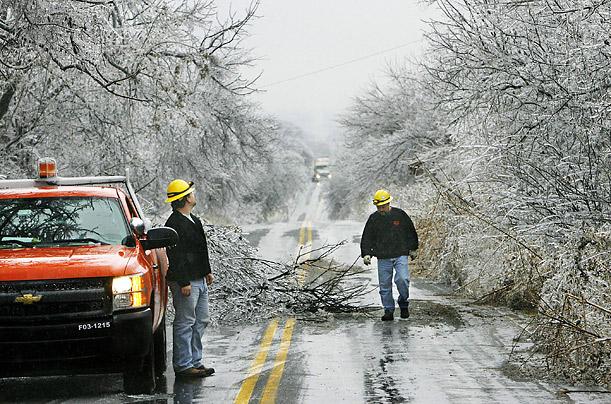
(446,352)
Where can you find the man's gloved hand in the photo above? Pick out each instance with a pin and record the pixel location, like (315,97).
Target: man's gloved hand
(367,259)
(413,254)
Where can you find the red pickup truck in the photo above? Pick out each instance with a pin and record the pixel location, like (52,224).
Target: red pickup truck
(82,281)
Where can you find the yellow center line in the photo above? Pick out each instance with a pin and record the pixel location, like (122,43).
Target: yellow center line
(310,234)
(307,243)
(250,382)
(271,388)
(306,229)
(302,233)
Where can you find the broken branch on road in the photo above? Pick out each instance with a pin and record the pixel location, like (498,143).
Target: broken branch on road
(249,289)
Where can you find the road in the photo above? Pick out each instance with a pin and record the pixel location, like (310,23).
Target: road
(447,352)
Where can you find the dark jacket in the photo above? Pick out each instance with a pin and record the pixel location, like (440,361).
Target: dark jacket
(389,236)
(189,258)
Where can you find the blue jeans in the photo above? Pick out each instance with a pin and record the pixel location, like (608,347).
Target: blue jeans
(190,321)
(385,269)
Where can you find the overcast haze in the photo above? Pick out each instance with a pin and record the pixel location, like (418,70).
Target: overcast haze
(293,38)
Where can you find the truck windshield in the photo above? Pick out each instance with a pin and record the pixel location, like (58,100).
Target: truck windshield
(44,222)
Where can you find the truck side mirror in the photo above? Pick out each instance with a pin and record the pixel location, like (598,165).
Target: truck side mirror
(137,226)
(160,237)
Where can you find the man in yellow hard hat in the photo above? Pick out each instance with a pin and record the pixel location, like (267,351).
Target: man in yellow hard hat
(189,276)
(390,236)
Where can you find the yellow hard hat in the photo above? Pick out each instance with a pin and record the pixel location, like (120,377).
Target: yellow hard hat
(381,197)
(177,189)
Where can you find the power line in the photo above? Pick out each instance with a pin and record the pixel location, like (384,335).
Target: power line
(324,69)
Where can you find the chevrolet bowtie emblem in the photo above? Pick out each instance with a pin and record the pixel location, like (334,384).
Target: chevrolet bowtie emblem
(28,299)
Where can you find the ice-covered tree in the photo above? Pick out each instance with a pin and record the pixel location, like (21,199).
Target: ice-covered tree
(155,86)
(519,155)
(525,87)
(386,130)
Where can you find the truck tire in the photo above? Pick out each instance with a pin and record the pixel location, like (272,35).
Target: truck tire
(140,379)
(159,340)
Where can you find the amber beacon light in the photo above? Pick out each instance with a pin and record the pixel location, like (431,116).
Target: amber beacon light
(47,167)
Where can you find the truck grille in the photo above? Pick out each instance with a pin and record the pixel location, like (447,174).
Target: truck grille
(60,300)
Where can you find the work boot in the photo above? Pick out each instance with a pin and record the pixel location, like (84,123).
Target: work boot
(207,371)
(388,315)
(405,312)
(191,372)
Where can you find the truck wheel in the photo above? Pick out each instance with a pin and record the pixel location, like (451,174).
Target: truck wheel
(159,340)
(141,379)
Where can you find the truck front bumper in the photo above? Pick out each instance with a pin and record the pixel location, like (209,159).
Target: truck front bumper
(94,345)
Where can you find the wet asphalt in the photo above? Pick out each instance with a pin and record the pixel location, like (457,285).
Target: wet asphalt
(448,351)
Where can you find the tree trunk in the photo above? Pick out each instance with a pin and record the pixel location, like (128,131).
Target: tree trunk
(5,100)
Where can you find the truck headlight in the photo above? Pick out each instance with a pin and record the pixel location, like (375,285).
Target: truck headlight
(128,292)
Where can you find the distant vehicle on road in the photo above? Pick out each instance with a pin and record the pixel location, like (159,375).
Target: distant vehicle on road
(321,169)
(82,281)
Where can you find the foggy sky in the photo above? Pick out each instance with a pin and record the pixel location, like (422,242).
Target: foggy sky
(293,38)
